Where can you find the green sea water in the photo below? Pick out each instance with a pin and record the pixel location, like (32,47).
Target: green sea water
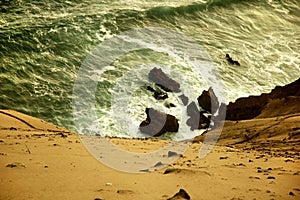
(44,43)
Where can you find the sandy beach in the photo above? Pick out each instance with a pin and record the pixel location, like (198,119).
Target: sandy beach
(42,161)
(120,100)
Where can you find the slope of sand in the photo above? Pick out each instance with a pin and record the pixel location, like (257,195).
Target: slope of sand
(254,159)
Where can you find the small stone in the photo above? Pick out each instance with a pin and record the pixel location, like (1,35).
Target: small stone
(169,170)
(124,191)
(182,194)
(223,157)
(108,184)
(16,165)
(172,153)
(271,177)
(289,160)
(250,160)
(291,194)
(158,164)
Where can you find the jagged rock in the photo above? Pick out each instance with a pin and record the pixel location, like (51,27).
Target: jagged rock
(246,108)
(184,99)
(159,95)
(181,195)
(208,101)
(221,115)
(197,119)
(162,80)
(252,106)
(158,123)
(231,61)
(151,89)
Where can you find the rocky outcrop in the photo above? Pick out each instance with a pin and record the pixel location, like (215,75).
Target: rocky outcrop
(197,119)
(184,99)
(253,106)
(158,123)
(208,101)
(162,80)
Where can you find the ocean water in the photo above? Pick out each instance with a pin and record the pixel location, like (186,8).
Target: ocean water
(43,45)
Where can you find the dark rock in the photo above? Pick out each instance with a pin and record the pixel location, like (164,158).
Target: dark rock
(151,89)
(252,106)
(192,110)
(208,101)
(162,80)
(16,165)
(271,177)
(231,61)
(158,123)
(172,153)
(170,105)
(170,170)
(182,194)
(158,164)
(62,135)
(197,119)
(291,194)
(12,128)
(160,95)
(184,99)
(223,157)
(292,89)
(221,115)
(246,108)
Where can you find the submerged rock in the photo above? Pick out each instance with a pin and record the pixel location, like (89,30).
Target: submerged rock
(158,123)
(158,95)
(162,80)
